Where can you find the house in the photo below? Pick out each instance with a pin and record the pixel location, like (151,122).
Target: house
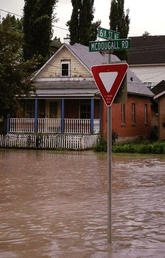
(159,97)
(146,58)
(67,100)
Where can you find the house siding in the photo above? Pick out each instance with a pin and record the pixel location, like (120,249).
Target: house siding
(53,70)
(129,129)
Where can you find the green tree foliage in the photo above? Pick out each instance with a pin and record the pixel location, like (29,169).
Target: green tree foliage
(14,73)
(37,28)
(13,23)
(81,28)
(55,44)
(119,21)
(145,34)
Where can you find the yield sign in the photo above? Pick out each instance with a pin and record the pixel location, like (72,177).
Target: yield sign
(108,79)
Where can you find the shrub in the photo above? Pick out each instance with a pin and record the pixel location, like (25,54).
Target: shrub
(101,145)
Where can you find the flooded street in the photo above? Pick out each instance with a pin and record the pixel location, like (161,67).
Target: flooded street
(54,204)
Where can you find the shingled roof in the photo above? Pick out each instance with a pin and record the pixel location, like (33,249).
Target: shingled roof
(147,50)
(159,88)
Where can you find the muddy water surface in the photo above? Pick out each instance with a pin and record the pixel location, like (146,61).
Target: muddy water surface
(55,205)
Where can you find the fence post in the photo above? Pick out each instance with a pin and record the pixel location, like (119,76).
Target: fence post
(92,115)
(62,116)
(36,117)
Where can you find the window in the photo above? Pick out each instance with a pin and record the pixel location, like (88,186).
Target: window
(65,69)
(123,113)
(29,108)
(53,109)
(145,114)
(85,110)
(133,113)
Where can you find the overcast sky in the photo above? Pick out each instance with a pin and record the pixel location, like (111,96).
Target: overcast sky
(145,15)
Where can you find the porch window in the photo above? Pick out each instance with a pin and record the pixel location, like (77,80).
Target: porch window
(65,69)
(53,109)
(133,113)
(85,110)
(123,113)
(145,114)
(29,108)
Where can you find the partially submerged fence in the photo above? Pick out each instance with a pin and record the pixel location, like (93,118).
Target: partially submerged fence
(58,141)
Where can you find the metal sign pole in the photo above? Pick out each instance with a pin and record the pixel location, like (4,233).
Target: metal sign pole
(109,159)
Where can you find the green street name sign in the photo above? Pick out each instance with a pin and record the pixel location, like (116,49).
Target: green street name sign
(107,34)
(120,44)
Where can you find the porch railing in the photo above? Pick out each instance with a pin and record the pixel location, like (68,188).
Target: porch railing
(53,125)
(77,126)
(49,125)
(22,125)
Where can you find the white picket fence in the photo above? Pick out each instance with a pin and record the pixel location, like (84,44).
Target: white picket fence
(58,141)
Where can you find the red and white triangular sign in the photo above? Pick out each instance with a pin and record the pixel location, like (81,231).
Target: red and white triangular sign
(108,79)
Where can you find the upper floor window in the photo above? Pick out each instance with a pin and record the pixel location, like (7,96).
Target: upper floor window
(65,69)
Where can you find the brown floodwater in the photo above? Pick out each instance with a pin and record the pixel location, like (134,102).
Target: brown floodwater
(54,204)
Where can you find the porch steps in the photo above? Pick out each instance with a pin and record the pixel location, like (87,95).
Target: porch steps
(47,141)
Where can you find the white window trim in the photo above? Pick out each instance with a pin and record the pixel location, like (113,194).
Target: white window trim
(123,113)
(65,62)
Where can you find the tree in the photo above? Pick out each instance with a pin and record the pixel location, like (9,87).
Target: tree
(145,34)
(13,23)
(37,28)
(81,28)
(14,73)
(119,21)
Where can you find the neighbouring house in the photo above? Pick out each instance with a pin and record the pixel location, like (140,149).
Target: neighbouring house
(67,100)
(159,97)
(146,58)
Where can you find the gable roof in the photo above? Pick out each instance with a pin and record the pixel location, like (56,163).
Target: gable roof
(87,59)
(147,50)
(159,89)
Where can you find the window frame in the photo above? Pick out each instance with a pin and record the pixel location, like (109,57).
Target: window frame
(85,110)
(145,114)
(133,113)
(64,63)
(123,114)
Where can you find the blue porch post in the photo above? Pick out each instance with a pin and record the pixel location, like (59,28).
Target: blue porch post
(62,116)
(92,115)
(100,110)
(8,123)
(36,117)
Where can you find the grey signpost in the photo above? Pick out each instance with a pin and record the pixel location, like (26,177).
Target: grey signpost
(113,42)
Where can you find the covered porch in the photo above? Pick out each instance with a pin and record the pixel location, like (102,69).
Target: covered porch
(57,116)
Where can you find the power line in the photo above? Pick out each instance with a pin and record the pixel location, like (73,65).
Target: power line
(60,28)
(21,16)
(11,12)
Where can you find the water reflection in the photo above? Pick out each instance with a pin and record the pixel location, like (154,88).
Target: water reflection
(55,205)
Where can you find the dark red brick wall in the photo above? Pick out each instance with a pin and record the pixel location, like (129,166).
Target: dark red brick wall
(129,129)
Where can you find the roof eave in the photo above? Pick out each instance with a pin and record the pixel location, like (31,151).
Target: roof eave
(145,65)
